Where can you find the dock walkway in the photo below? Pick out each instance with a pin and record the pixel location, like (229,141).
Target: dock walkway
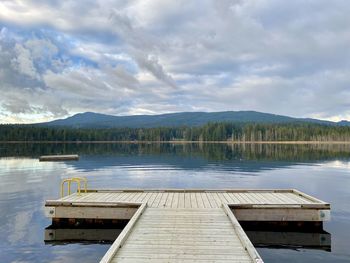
(187,225)
(184,235)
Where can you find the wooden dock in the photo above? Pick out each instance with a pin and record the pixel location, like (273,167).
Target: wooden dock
(48,158)
(186,225)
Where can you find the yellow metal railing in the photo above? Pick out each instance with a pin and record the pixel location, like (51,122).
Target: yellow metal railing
(69,181)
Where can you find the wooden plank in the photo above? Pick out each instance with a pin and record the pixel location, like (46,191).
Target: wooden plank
(145,197)
(163,200)
(289,200)
(200,202)
(186,225)
(205,200)
(181,202)
(183,234)
(175,201)
(184,221)
(240,198)
(215,200)
(111,197)
(221,198)
(151,199)
(249,198)
(211,237)
(233,198)
(187,200)
(206,248)
(278,198)
(308,197)
(122,196)
(140,197)
(118,243)
(129,196)
(179,251)
(193,200)
(262,197)
(183,242)
(72,197)
(227,198)
(160,260)
(273,198)
(81,197)
(186,211)
(265,198)
(158,224)
(99,198)
(197,190)
(169,200)
(210,200)
(302,196)
(248,246)
(244,198)
(298,199)
(180,257)
(282,214)
(135,197)
(94,212)
(156,201)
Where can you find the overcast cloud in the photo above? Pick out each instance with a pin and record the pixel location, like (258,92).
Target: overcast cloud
(59,58)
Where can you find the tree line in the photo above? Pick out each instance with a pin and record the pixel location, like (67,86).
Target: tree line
(220,131)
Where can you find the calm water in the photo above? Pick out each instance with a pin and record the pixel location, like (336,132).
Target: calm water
(25,183)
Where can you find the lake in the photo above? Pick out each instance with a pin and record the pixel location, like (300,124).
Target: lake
(320,170)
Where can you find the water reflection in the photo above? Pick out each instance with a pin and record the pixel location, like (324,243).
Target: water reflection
(291,240)
(214,152)
(25,183)
(320,240)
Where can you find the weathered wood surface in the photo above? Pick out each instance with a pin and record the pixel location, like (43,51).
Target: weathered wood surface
(248,205)
(185,235)
(119,242)
(197,198)
(187,225)
(47,158)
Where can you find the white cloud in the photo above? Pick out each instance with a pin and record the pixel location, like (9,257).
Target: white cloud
(23,62)
(124,57)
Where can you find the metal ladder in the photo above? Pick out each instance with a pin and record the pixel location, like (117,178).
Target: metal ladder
(69,181)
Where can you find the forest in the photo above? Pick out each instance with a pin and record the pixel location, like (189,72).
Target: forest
(220,131)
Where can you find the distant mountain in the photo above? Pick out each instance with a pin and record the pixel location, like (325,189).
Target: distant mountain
(343,123)
(97,120)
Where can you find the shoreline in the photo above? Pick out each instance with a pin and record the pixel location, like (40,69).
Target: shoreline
(176,142)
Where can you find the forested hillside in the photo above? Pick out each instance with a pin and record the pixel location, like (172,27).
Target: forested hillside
(209,132)
(190,119)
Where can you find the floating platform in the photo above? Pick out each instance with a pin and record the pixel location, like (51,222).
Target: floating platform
(186,225)
(48,158)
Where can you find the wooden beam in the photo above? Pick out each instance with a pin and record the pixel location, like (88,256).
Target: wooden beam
(118,243)
(281,214)
(242,235)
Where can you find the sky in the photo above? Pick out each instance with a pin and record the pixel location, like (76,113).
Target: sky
(59,58)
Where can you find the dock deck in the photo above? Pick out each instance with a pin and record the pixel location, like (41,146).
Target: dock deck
(186,225)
